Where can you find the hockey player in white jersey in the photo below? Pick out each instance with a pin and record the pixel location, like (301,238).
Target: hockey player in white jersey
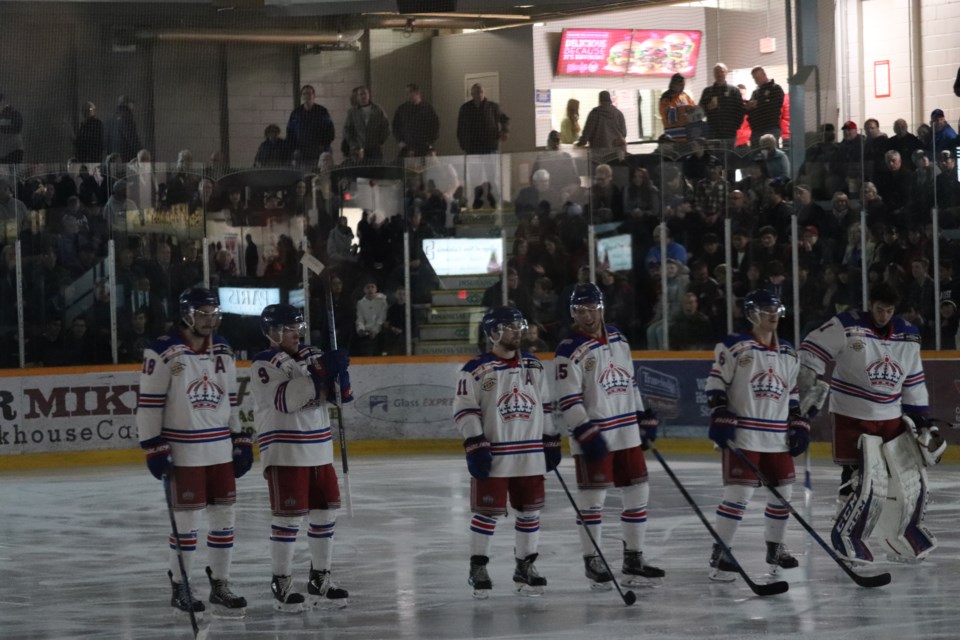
(291,383)
(605,417)
(503,411)
(752,393)
(188,424)
(882,437)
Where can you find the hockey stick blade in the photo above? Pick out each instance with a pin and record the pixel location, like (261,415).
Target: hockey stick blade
(769,589)
(868,582)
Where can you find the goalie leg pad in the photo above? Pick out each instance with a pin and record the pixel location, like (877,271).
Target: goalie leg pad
(859,514)
(900,525)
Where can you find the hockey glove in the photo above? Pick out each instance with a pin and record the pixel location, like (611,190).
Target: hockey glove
(310,355)
(648,422)
(159,460)
(916,422)
(798,434)
(723,426)
(479,458)
(335,365)
(242,453)
(551,451)
(591,441)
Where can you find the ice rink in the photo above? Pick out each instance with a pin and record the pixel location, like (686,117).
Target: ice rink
(82,555)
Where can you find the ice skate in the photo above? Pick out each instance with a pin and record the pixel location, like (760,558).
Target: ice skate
(637,573)
(285,599)
(722,567)
(526,578)
(324,592)
(479,578)
(596,572)
(223,602)
(779,558)
(180,599)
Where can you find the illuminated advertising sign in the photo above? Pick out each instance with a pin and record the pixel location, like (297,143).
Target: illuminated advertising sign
(637,52)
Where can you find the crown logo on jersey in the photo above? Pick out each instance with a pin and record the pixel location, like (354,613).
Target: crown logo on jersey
(516,405)
(767,384)
(615,380)
(204,393)
(885,373)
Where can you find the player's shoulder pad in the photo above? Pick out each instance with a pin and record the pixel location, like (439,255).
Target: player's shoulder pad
(266,355)
(852,318)
(614,334)
(909,331)
(167,345)
(530,361)
(733,339)
(477,362)
(567,346)
(787,348)
(221,346)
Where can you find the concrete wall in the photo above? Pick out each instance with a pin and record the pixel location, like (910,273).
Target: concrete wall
(940,57)
(260,91)
(396,60)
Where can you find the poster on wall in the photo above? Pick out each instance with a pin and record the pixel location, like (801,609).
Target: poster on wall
(637,52)
(881,79)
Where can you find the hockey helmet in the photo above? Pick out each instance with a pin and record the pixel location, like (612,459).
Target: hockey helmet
(280,316)
(586,293)
(192,299)
(497,318)
(762,300)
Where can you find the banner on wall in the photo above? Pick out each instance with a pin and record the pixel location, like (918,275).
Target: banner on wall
(97,410)
(637,52)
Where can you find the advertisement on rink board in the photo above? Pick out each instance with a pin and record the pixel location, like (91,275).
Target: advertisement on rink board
(97,410)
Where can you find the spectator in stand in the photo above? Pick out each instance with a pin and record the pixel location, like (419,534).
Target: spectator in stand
(702,285)
(675,250)
(481,127)
(689,328)
(710,199)
(517,294)
(949,325)
(768,248)
(893,182)
(273,151)
(695,163)
(134,338)
(808,212)
(891,249)
(310,130)
(778,164)
(678,281)
(949,283)
(48,349)
(676,108)
(532,341)
(88,143)
(395,326)
(539,197)
(68,245)
(920,291)
(922,187)
(740,215)
(849,157)
(723,105)
(119,213)
(544,305)
(741,251)
(918,245)
(11,126)
(81,347)
(122,137)
(371,318)
(340,247)
(605,128)
(764,107)
(904,143)
(948,188)
(570,125)
(944,137)
(777,211)
(142,181)
(606,198)
(754,183)
(12,212)
(877,210)
(712,253)
(810,251)
(561,166)
(743,133)
(818,162)
(641,206)
(415,125)
(366,129)
(875,146)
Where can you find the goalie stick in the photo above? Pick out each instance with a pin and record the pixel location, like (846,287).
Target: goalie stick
(770,589)
(878,580)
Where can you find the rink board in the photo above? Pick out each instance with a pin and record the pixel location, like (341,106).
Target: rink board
(78,409)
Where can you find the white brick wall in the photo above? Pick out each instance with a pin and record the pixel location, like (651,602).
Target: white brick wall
(333,74)
(186,100)
(940,51)
(259,92)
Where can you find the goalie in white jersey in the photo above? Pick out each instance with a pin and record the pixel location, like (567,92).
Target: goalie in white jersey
(188,424)
(503,412)
(752,393)
(291,385)
(608,426)
(882,437)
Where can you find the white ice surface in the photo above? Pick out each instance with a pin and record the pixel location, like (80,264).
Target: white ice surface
(82,555)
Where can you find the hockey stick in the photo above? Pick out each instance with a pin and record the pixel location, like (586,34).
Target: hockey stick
(770,589)
(317,267)
(864,581)
(198,634)
(629,597)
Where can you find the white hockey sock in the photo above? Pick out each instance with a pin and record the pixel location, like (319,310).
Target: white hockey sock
(730,511)
(187,521)
(590,502)
(283,535)
(527,528)
(633,518)
(481,534)
(776,514)
(320,537)
(220,539)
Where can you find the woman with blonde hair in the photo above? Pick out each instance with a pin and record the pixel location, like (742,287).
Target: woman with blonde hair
(570,125)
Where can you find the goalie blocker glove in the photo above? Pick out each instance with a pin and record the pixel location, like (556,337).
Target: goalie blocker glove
(242,453)
(798,434)
(159,461)
(479,458)
(591,441)
(648,422)
(723,426)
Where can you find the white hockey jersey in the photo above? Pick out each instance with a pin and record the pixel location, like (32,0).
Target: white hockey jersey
(595,382)
(508,402)
(760,386)
(877,376)
(293,424)
(190,398)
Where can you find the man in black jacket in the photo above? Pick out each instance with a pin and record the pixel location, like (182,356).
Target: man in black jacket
(481,126)
(723,105)
(122,135)
(764,106)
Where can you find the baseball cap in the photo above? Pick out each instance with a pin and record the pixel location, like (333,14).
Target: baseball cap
(936,113)
(849,124)
(812,229)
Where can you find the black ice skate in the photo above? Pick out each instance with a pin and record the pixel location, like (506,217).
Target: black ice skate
(637,572)
(596,572)
(181,598)
(223,602)
(324,592)
(285,599)
(779,558)
(479,578)
(526,578)
(722,566)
